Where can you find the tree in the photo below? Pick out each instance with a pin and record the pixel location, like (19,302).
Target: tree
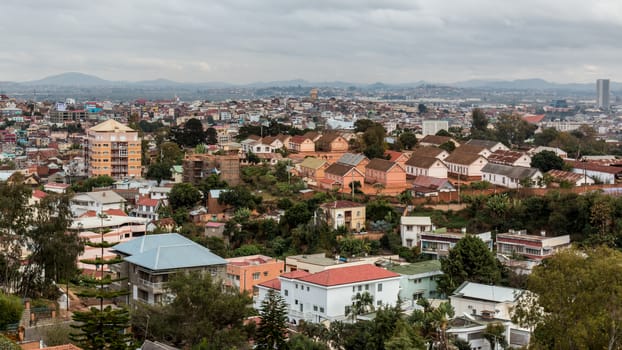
(101,327)
(469,260)
(362,303)
(302,342)
(190,135)
(560,308)
(373,139)
(443,132)
(202,308)
(408,139)
(239,197)
(495,334)
(93,182)
(547,160)
(159,172)
(170,154)
(10,310)
(513,130)
(421,108)
(480,121)
(8,344)
(183,195)
(432,323)
(546,137)
(54,249)
(211,136)
(272,330)
(447,146)
(361,125)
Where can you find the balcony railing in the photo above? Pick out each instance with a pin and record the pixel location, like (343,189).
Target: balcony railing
(154,285)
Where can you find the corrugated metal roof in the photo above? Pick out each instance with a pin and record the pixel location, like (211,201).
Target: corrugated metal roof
(485,292)
(352,159)
(166,252)
(513,172)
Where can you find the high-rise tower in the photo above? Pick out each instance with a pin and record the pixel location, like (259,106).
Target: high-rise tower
(602,93)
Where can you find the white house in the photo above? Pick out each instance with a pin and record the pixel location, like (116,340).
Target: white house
(466,166)
(411,226)
(98,202)
(426,166)
(476,305)
(327,295)
(510,176)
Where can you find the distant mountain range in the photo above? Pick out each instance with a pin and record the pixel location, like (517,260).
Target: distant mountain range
(74,79)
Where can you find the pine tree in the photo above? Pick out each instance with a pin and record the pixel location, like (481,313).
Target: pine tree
(273,328)
(102,327)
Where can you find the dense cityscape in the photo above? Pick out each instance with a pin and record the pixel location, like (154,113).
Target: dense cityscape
(326,175)
(310,219)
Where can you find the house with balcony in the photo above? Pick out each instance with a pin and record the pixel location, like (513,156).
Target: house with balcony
(411,227)
(149,261)
(418,280)
(437,244)
(518,250)
(327,295)
(245,272)
(147,207)
(97,201)
(349,214)
(476,305)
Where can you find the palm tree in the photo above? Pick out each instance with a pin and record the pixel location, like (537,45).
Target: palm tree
(361,303)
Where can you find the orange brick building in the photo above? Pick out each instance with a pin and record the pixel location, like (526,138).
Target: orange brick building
(246,272)
(114,149)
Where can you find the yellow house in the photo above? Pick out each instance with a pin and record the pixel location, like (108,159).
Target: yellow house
(114,150)
(345,213)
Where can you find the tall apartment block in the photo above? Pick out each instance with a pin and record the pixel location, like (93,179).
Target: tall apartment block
(114,149)
(199,166)
(602,93)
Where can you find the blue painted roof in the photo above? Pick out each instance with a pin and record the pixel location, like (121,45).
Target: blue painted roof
(167,251)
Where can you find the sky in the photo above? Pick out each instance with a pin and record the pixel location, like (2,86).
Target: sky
(361,41)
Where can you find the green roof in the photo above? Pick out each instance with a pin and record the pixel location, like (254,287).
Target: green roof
(417,268)
(313,163)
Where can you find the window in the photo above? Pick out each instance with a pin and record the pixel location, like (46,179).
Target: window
(380,287)
(360,288)
(296,285)
(321,309)
(286,292)
(256,276)
(353,289)
(265,273)
(314,307)
(379,302)
(301,308)
(296,301)
(307,288)
(367,287)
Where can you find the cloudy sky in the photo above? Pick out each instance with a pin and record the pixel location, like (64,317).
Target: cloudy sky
(363,41)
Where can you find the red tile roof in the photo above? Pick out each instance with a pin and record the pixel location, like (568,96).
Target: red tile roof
(533,118)
(146,201)
(39,194)
(349,274)
(295,274)
(274,283)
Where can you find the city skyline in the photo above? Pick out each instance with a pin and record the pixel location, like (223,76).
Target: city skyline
(358,41)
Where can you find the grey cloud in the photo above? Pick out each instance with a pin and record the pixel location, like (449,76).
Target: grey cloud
(356,40)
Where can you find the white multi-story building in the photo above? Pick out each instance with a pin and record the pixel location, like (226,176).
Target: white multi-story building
(327,295)
(411,227)
(431,127)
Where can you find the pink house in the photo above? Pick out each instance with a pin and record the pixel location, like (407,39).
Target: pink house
(340,176)
(386,172)
(301,144)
